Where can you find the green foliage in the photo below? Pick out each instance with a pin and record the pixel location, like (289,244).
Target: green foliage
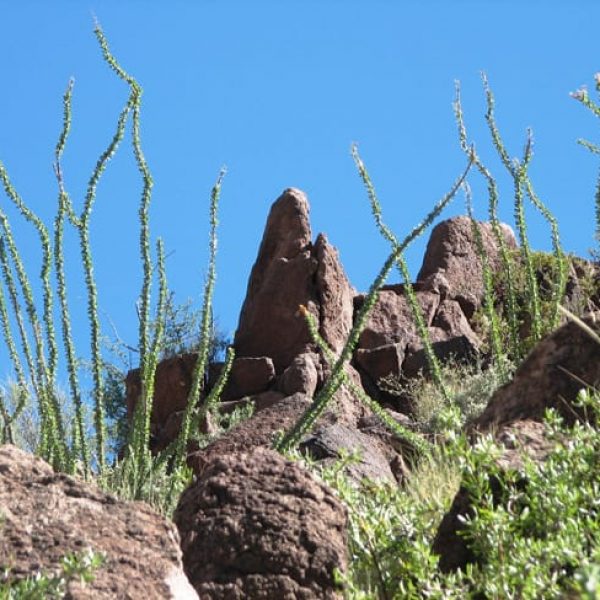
(181,334)
(42,586)
(469,389)
(547,271)
(415,308)
(539,540)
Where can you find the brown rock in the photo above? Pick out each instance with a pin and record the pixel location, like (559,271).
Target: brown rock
(290,272)
(451,336)
(281,281)
(258,431)
(452,251)
(550,377)
(382,361)
(327,443)
(334,295)
(46,515)
(172,383)
(391,320)
(301,376)
(248,376)
(258,526)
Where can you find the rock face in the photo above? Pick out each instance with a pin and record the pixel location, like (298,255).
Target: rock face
(281,280)
(47,515)
(257,526)
(290,271)
(550,377)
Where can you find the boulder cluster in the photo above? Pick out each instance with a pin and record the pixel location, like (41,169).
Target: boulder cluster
(253,524)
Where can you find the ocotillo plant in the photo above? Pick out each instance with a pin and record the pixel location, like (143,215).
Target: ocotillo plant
(583,96)
(415,308)
(37,374)
(523,186)
(403,433)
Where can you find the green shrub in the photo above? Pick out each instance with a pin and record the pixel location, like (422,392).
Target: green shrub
(42,586)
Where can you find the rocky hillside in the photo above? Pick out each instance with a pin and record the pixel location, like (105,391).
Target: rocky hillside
(254,524)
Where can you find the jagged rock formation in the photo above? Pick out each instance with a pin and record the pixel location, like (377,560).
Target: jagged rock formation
(452,252)
(45,515)
(278,366)
(290,271)
(255,525)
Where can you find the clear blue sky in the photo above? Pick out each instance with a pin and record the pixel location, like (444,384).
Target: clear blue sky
(278,91)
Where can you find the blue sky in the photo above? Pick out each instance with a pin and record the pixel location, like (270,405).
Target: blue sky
(277,92)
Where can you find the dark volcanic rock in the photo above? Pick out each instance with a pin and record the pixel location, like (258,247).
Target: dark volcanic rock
(45,516)
(258,431)
(327,443)
(258,526)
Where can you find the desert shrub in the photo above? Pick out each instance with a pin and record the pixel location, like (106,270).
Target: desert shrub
(546,270)
(469,387)
(42,586)
(541,540)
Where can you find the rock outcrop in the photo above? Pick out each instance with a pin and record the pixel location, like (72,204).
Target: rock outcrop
(255,525)
(290,271)
(44,516)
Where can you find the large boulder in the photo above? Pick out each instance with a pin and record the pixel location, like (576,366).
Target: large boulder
(289,272)
(248,376)
(329,443)
(45,515)
(452,251)
(172,383)
(258,526)
(550,377)
(257,431)
(281,280)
